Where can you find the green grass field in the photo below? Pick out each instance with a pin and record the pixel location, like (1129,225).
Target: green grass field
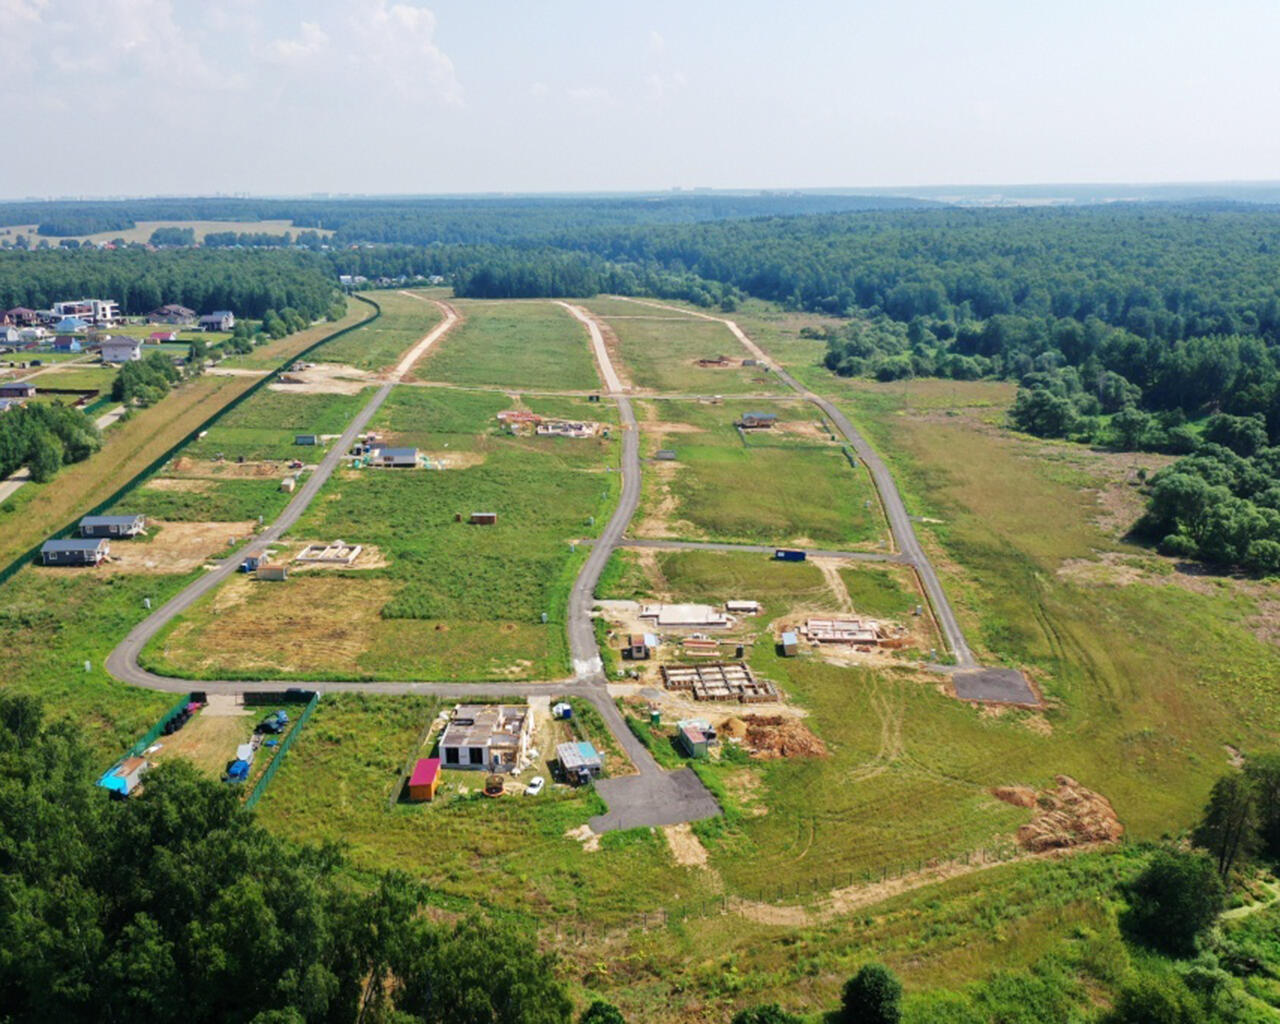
(452,601)
(405,320)
(661,354)
(265,427)
(790,485)
(535,344)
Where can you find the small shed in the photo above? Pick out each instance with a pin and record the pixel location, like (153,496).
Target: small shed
(640,646)
(112,526)
(483,518)
(580,761)
(425,779)
(692,741)
(789,643)
(307,439)
(271,572)
(788,555)
(743,607)
(665,455)
(158,337)
(125,777)
(288,484)
(17,389)
(83,551)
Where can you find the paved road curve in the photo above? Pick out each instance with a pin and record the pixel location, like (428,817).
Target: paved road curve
(904,534)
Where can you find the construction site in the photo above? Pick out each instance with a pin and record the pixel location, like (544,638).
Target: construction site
(719,681)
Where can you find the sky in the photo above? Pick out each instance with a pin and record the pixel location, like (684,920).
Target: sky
(144,97)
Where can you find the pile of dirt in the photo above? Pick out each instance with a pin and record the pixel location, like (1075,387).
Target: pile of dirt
(772,736)
(1069,815)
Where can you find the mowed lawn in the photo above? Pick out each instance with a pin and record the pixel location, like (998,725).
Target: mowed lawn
(660,352)
(447,600)
(789,485)
(513,343)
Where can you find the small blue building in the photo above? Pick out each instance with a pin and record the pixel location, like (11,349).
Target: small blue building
(88,551)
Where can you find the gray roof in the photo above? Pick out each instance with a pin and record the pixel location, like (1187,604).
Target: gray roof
(78,544)
(760,415)
(396,453)
(120,340)
(109,520)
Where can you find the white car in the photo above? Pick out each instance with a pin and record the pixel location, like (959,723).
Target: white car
(535,786)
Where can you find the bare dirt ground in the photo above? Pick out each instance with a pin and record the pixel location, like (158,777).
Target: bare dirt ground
(184,466)
(326,379)
(231,371)
(176,547)
(686,848)
(590,840)
(804,428)
(660,516)
(829,567)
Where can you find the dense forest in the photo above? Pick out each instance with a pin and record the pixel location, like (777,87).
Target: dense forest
(247,282)
(427,220)
(44,437)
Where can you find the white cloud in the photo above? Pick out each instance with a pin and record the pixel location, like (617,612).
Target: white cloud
(312,41)
(590,97)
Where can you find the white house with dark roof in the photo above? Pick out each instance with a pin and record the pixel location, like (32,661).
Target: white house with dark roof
(116,348)
(218,320)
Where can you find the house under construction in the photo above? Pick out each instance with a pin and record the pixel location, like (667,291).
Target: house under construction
(843,631)
(337,553)
(720,680)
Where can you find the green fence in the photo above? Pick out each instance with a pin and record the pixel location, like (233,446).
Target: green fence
(278,760)
(9,570)
(154,732)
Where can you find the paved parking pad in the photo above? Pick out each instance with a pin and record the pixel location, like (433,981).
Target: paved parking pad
(994,685)
(667,798)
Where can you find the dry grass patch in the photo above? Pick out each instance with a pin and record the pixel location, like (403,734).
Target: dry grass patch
(177,547)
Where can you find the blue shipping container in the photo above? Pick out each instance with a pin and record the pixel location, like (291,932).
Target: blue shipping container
(788,555)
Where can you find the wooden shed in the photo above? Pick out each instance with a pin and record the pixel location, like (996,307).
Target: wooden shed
(425,779)
(483,518)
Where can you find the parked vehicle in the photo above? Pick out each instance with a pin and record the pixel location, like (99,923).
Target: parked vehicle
(237,771)
(276,722)
(535,786)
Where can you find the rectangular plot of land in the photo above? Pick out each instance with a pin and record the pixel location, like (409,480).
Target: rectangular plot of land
(684,357)
(517,343)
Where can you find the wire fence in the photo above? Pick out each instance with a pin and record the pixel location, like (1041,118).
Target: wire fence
(278,760)
(141,476)
(798,897)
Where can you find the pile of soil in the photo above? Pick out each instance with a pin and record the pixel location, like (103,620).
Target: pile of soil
(772,736)
(1069,815)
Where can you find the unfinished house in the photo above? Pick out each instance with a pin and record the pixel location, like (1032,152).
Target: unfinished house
(725,681)
(686,616)
(640,646)
(843,631)
(337,553)
(714,361)
(758,420)
(487,737)
(566,428)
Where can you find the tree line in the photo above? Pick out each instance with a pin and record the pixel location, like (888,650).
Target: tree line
(44,437)
(249,282)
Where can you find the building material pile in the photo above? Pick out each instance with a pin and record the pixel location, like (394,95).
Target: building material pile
(724,681)
(772,736)
(566,428)
(1069,815)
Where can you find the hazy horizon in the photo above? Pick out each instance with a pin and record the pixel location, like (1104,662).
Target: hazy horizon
(372,97)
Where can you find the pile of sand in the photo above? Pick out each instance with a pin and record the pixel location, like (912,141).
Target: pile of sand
(1069,815)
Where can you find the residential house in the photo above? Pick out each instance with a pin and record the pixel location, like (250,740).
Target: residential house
(116,348)
(159,337)
(758,420)
(17,389)
(218,320)
(172,313)
(486,737)
(112,526)
(9,335)
(394,458)
(75,552)
(70,325)
(67,343)
(20,316)
(32,335)
(102,312)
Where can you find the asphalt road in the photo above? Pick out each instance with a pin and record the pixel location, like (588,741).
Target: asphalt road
(761,549)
